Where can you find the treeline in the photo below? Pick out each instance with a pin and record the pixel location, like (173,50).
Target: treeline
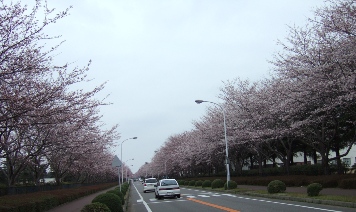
(46,122)
(307,107)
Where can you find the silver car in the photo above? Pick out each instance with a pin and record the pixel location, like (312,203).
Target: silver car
(149,184)
(167,188)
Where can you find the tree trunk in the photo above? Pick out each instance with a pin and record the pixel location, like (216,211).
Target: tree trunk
(305,157)
(315,157)
(260,162)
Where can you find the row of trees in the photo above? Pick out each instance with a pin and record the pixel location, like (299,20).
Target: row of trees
(307,106)
(46,122)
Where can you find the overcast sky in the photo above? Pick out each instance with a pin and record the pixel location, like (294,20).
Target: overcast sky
(158,56)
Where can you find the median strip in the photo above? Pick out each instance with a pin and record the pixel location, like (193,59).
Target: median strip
(213,205)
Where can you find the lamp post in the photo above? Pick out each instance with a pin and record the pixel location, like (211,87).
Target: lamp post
(226,146)
(126,167)
(126,172)
(122,167)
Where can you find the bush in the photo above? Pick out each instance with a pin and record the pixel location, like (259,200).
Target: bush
(192,183)
(314,189)
(180,182)
(118,193)
(111,200)
(124,188)
(217,183)
(96,207)
(232,185)
(206,183)
(186,183)
(348,183)
(198,183)
(276,186)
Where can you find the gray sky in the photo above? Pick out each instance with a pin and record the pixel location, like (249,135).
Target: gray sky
(158,56)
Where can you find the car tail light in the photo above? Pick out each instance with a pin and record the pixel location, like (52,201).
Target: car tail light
(144,184)
(176,188)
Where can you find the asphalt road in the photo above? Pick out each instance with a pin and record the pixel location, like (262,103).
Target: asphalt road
(199,200)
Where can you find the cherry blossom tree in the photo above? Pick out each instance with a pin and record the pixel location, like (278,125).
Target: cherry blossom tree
(42,115)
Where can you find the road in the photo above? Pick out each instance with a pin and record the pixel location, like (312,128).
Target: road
(198,200)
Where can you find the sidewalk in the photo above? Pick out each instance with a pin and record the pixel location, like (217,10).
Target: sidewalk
(78,204)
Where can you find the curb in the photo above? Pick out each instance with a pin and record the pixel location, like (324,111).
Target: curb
(127,197)
(296,199)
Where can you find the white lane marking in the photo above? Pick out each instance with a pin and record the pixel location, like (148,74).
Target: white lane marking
(247,198)
(203,195)
(190,196)
(143,201)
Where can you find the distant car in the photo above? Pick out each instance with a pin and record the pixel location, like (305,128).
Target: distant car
(167,188)
(149,184)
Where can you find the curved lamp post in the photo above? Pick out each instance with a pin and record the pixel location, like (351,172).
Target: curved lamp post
(122,167)
(226,146)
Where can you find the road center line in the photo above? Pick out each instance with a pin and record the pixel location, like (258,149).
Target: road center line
(213,205)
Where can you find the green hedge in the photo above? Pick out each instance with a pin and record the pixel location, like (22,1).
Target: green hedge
(45,200)
(217,183)
(111,200)
(118,193)
(198,183)
(96,207)
(232,185)
(180,182)
(206,184)
(192,183)
(276,186)
(314,189)
(309,170)
(348,183)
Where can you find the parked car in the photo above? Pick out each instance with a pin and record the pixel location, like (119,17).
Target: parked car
(149,184)
(167,188)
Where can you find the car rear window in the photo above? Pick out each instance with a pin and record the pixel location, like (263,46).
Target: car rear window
(169,182)
(151,181)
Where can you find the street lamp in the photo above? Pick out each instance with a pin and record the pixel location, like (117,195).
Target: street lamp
(126,167)
(126,172)
(227,152)
(122,167)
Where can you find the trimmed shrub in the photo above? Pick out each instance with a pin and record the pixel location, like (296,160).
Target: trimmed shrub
(124,188)
(276,186)
(206,184)
(96,207)
(186,183)
(192,183)
(314,189)
(118,193)
(217,183)
(232,185)
(111,200)
(180,182)
(348,183)
(198,183)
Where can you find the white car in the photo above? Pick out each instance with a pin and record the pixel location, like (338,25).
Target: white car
(149,184)
(167,188)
